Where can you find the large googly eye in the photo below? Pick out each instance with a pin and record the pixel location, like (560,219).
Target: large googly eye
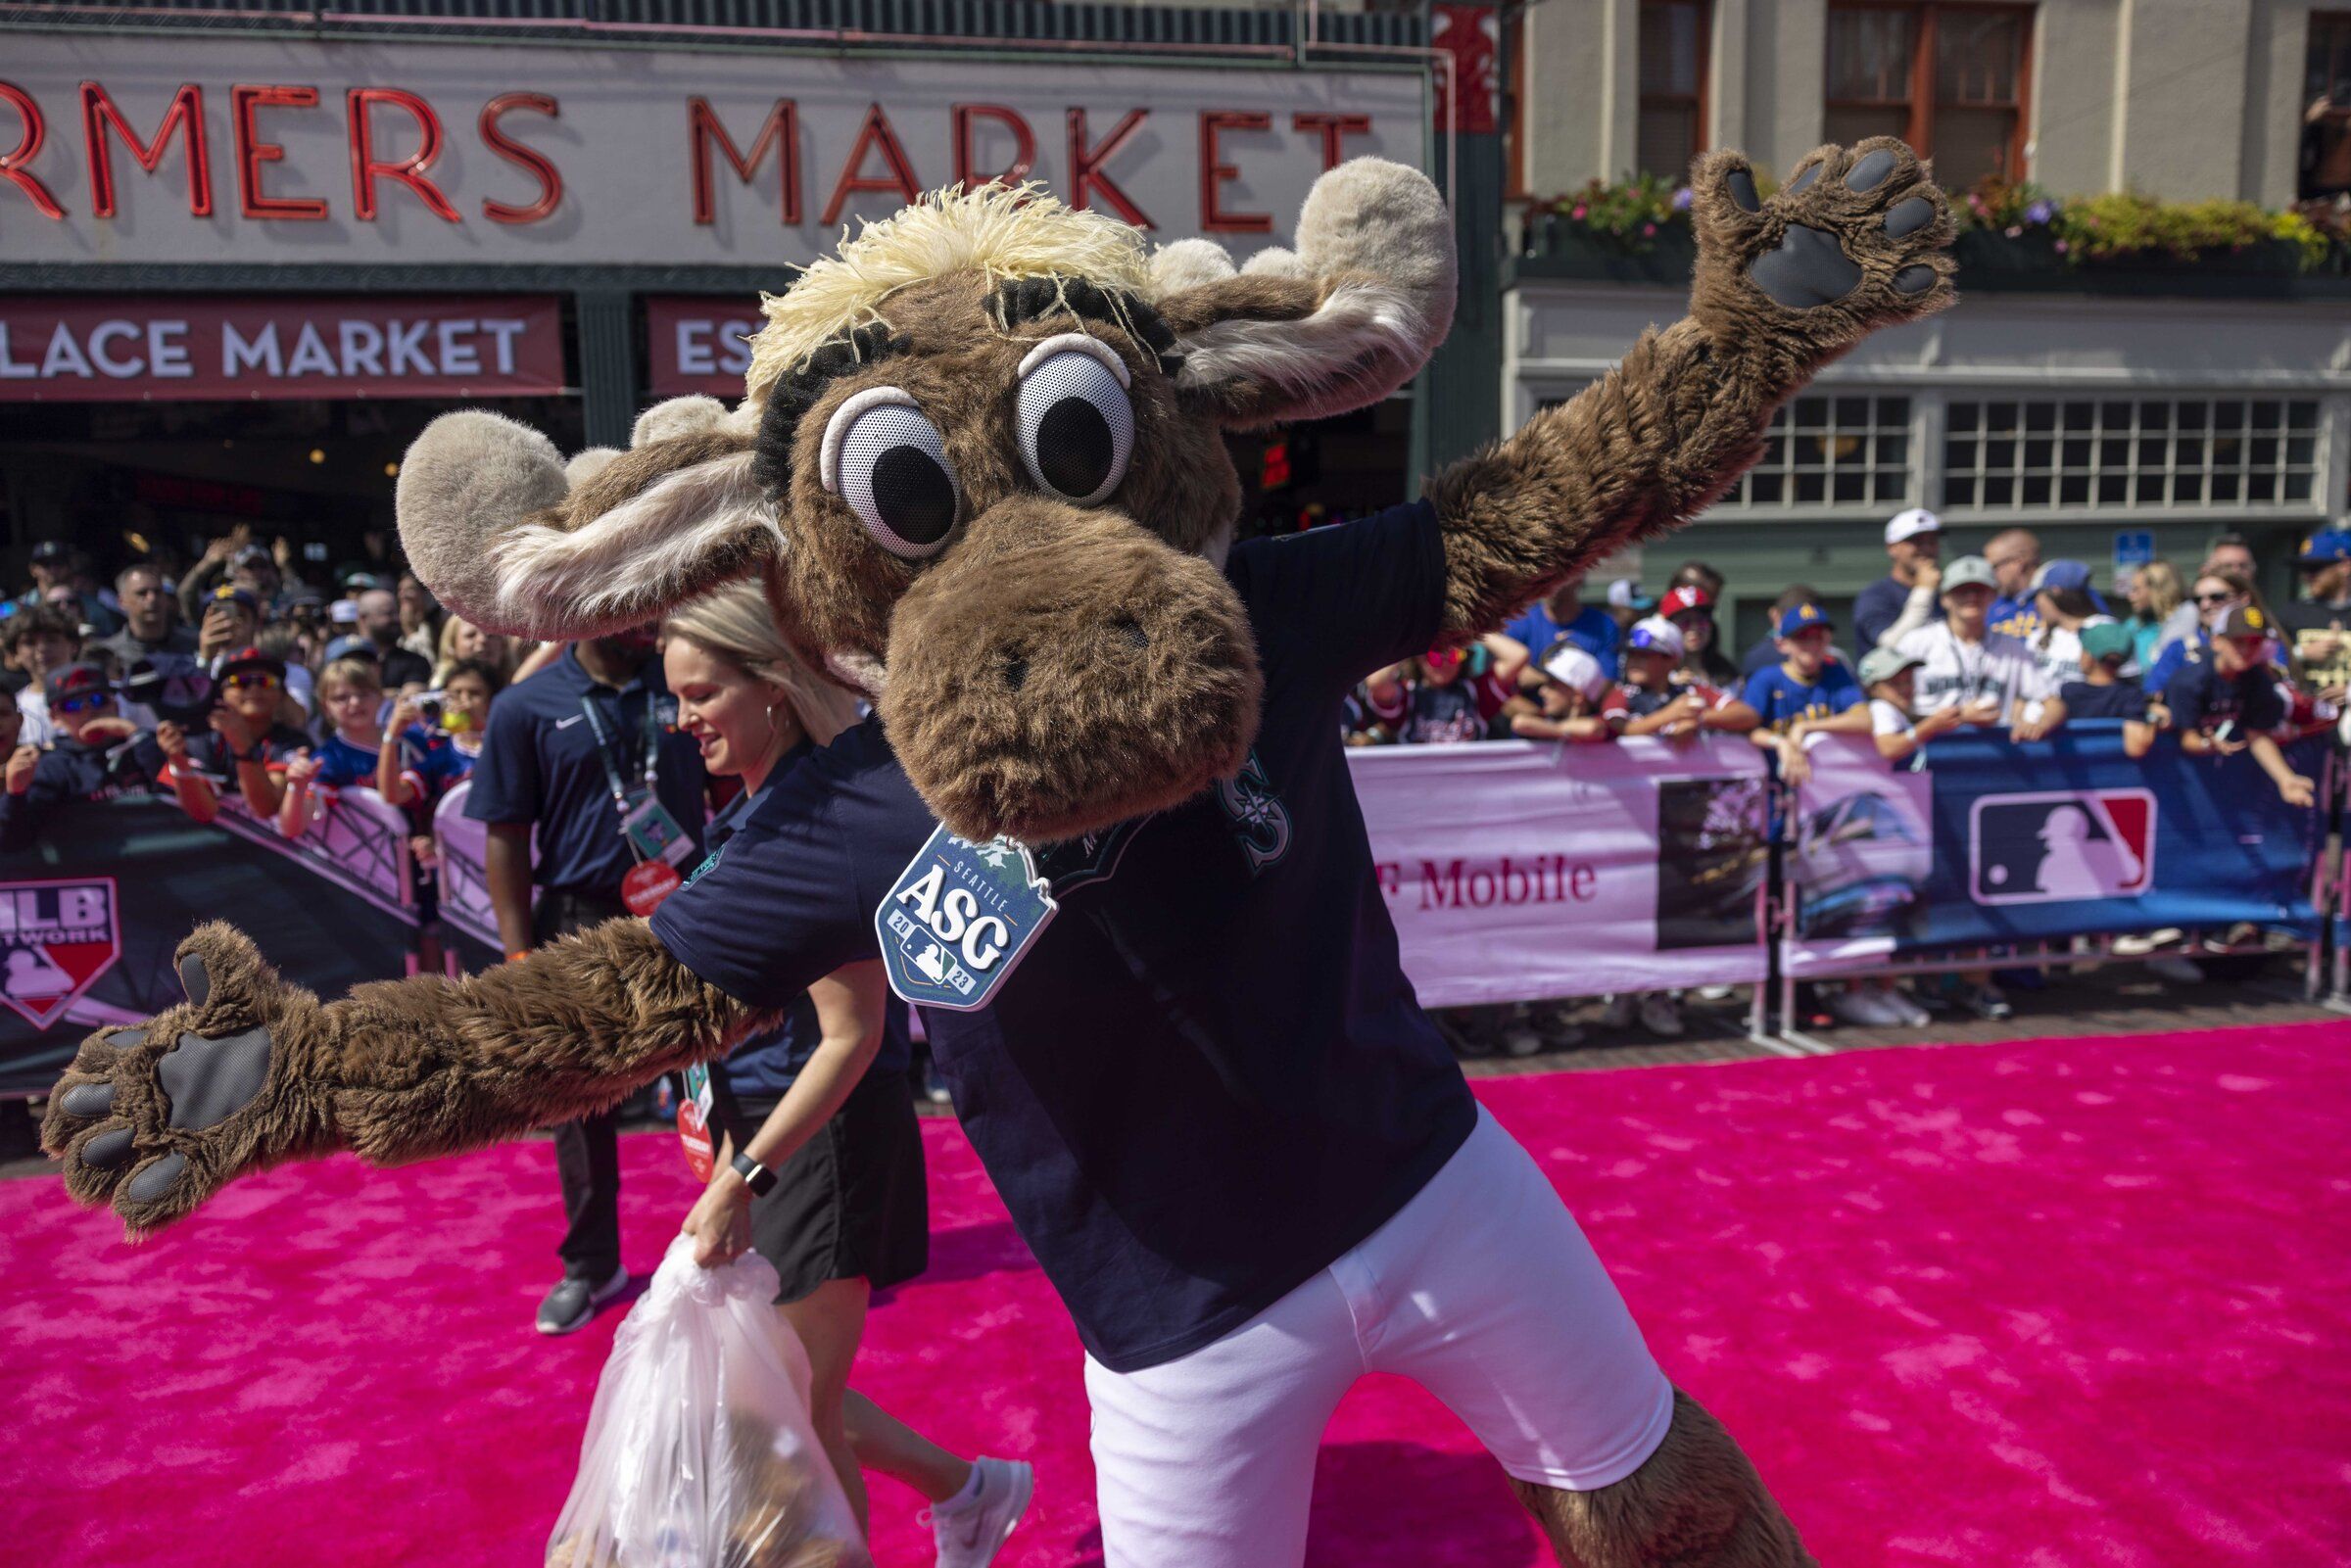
(889,462)
(1075,424)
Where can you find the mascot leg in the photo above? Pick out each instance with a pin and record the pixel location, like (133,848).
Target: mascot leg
(1697,1501)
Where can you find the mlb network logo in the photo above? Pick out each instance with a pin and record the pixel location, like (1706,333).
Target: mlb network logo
(2054,845)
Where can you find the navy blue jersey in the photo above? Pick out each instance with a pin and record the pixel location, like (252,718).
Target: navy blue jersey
(2201,697)
(2124,700)
(343,764)
(539,767)
(1209,1077)
(70,771)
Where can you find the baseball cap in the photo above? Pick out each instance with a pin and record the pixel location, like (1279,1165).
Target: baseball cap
(252,658)
(2325,549)
(1655,634)
(1625,595)
(1910,524)
(75,681)
(229,593)
(350,648)
(2108,640)
(1575,668)
(1801,618)
(2061,575)
(49,549)
(1969,571)
(252,554)
(2246,620)
(1883,664)
(1682,601)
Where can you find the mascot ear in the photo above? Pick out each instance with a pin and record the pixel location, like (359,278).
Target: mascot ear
(507,538)
(1341,322)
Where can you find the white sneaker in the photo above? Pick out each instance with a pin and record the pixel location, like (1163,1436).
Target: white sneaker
(2178,970)
(1906,1012)
(970,1536)
(1854,1006)
(1618,1014)
(1660,1017)
(1715,994)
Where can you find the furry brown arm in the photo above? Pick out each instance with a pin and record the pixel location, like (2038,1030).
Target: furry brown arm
(253,1071)
(1851,244)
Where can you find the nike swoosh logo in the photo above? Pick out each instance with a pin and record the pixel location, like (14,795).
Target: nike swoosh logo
(565,724)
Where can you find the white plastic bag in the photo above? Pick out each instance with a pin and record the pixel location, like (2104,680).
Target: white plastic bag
(699,1452)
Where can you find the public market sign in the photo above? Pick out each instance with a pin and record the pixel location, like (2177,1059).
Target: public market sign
(182,149)
(82,348)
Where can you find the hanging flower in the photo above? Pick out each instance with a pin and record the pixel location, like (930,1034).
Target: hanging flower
(1649,230)
(2041,213)
(1578,213)
(1682,199)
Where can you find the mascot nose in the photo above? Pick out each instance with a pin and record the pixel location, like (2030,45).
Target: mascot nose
(1061,669)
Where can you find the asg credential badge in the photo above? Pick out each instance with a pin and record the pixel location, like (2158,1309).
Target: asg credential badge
(959,919)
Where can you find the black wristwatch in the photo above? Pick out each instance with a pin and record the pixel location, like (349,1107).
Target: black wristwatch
(757,1176)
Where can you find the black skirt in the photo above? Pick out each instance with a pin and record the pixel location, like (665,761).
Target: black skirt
(853,1202)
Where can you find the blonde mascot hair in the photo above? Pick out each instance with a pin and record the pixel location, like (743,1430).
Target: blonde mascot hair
(736,624)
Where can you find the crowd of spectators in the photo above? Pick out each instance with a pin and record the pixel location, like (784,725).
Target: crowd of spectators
(2002,642)
(236,677)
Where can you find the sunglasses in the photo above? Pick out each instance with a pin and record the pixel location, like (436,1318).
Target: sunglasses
(83,704)
(2214,598)
(251,682)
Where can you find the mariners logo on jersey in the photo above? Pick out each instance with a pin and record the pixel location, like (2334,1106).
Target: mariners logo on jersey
(56,938)
(1259,821)
(959,920)
(2062,844)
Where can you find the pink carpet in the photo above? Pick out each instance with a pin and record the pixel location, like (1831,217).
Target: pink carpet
(2076,1301)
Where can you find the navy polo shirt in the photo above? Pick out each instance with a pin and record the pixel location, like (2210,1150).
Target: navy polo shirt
(1209,1077)
(539,767)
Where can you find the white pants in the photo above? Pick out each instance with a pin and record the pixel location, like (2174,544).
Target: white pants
(1482,1290)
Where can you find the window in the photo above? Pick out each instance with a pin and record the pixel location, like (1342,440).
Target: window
(1949,79)
(2180,453)
(1673,77)
(2326,107)
(1829,452)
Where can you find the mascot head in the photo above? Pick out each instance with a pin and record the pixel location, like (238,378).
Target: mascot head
(980,445)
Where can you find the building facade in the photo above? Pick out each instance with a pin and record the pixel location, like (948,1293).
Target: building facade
(2111,412)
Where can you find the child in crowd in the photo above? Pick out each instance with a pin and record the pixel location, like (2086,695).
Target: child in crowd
(41,640)
(2229,701)
(429,760)
(246,745)
(1446,694)
(2103,692)
(1660,701)
(1990,677)
(1891,678)
(1805,692)
(1578,700)
(1691,609)
(350,693)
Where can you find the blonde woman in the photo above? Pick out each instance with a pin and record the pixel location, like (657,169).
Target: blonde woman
(461,640)
(2157,600)
(820,1166)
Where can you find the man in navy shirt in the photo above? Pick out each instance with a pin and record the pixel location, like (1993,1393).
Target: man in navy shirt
(555,746)
(2230,702)
(1914,544)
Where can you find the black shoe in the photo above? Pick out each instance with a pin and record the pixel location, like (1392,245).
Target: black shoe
(574,1301)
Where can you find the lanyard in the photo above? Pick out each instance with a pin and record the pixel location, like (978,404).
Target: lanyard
(603,752)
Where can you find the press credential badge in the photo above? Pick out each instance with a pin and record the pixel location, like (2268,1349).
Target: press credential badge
(959,920)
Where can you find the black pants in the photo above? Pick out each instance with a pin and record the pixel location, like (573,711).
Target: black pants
(587,1151)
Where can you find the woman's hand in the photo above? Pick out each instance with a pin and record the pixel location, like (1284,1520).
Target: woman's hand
(720,1222)
(404,716)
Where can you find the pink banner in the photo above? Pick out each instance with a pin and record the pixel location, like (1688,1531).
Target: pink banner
(127,349)
(1517,871)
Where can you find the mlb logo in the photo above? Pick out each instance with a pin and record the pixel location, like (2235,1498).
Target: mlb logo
(56,938)
(2058,845)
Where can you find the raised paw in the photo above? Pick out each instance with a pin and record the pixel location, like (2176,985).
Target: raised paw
(1855,240)
(155,1118)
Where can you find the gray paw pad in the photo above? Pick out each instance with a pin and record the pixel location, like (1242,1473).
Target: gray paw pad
(208,1081)
(195,978)
(1808,268)
(1804,182)
(157,1180)
(89,1099)
(108,1149)
(1914,279)
(1742,186)
(1908,217)
(1870,174)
